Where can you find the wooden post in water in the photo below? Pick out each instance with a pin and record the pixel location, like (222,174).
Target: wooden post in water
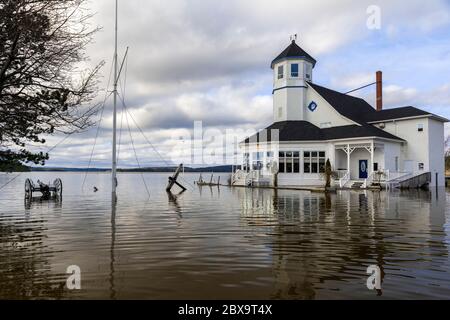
(173,179)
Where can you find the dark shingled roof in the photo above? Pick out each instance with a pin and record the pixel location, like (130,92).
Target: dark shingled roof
(356,109)
(293,51)
(360,111)
(306,131)
(396,113)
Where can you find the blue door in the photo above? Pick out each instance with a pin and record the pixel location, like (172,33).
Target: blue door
(363,169)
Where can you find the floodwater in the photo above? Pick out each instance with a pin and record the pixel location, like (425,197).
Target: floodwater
(220,243)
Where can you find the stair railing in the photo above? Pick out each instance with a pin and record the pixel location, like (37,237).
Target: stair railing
(345,178)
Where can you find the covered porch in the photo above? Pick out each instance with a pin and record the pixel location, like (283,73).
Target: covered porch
(357,161)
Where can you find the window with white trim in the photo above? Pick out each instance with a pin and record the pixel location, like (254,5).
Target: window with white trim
(313,161)
(294,70)
(289,162)
(280,72)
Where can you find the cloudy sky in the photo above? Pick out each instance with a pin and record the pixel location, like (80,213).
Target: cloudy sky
(209,61)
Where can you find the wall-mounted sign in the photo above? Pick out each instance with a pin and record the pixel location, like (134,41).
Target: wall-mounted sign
(312,106)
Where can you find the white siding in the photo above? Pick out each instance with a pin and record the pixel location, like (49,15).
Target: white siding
(425,146)
(391,151)
(436,151)
(324,112)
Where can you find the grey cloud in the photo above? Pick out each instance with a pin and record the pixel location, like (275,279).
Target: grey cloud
(209,60)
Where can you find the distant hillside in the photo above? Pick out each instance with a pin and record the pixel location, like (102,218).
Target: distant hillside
(225,168)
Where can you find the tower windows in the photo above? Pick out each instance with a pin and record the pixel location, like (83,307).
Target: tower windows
(294,70)
(280,72)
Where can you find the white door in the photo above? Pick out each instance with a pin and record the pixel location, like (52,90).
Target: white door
(408,166)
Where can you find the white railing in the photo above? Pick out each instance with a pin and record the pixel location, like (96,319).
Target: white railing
(246,177)
(341,173)
(393,178)
(368,181)
(238,175)
(345,178)
(394,175)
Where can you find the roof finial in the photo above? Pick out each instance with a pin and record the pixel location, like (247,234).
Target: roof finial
(293,37)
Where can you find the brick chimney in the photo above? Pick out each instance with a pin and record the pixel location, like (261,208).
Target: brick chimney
(379,91)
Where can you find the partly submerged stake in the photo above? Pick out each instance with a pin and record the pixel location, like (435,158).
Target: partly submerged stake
(173,179)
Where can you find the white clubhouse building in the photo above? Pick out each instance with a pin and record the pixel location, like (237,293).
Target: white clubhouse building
(313,124)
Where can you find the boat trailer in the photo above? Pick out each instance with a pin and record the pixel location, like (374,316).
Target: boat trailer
(47,190)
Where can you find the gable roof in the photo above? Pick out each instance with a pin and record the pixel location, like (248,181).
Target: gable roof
(360,111)
(293,51)
(396,113)
(353,108)
(306,131)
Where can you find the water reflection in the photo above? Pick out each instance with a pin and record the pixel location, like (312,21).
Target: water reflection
(113,294)
(173,200)
(52,203)
(222,243)
(319,240)
(25,265)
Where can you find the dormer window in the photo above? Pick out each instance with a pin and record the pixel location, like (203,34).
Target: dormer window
(280,72)
(294,70)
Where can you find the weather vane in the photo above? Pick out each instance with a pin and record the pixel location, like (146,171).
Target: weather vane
(293,37)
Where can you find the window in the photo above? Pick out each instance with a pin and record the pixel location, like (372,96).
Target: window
(306,162)
(321,162)
(258,155)
(308,72)
(314,161)
(375,166)
(281,161)
(294,70)
(257,160)
(269,154)
(280,112)
(289,162)
(280,72)
(421,166)
(396,164)
(420,127)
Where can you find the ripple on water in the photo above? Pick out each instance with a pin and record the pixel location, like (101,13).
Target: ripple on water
(220,243)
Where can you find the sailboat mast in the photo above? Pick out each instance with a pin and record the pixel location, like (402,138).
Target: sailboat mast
(114,157)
